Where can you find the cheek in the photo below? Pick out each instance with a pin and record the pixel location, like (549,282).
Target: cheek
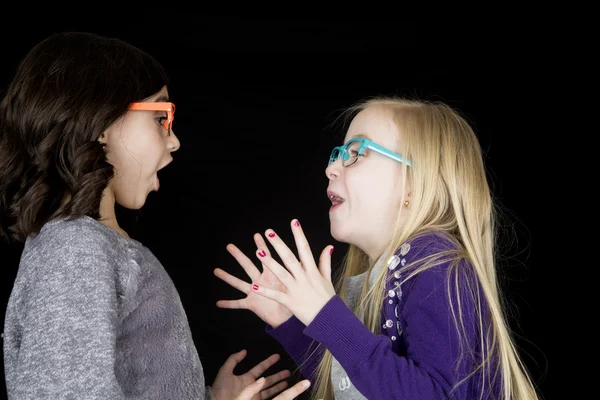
(117,158)
(137,155)
(124,161)
(377,193)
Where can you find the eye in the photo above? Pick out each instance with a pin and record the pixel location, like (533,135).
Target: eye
(161,120)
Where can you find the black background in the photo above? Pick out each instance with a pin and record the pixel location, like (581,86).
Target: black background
(255,99)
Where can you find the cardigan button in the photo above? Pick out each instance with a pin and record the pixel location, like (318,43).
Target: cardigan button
(393,262)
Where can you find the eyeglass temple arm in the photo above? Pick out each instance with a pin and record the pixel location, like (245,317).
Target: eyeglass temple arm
(385,152)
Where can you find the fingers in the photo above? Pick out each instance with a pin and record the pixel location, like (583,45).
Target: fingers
(294,391)
(259,241)
(234,281)
(279,376)
(264,365)
(233,304)
(237,283)
(282,274)
(325,262)
(304,251)
(252,389)
(287,256)
(244,261)
(271,391)
(255,387)
(233,360)
(274,295)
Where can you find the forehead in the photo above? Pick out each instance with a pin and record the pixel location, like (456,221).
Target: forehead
(377,124)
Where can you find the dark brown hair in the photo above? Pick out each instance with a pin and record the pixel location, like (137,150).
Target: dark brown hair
(66,91)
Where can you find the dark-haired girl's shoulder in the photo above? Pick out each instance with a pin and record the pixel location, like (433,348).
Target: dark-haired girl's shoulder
(79,236)
(82,228)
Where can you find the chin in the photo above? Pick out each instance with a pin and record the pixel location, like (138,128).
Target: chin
(337,233)
(132,207)
(133,204)
(140,204)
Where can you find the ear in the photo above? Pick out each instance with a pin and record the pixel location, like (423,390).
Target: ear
(408,185)
(102,139)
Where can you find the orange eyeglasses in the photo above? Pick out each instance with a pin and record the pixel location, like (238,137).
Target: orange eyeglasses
(168,107)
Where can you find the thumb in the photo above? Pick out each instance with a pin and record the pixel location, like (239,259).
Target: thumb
(250,390)
(233,360)
(325,262)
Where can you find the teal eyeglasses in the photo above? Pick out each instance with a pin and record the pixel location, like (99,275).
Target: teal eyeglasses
(355,147)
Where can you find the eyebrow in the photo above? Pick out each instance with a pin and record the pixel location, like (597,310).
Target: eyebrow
(360,135)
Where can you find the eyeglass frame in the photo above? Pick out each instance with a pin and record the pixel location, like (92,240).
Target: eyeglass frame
(364,144)
(166,106)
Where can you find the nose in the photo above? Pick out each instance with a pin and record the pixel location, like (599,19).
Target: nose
(173,142)
(333,170)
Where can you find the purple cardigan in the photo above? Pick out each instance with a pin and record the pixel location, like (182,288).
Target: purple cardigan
(415,355)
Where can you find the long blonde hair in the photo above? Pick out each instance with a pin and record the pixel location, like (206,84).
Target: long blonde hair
(449,195)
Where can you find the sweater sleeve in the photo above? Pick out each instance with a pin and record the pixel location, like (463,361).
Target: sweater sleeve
(69,318)
(303,350)
(427,370)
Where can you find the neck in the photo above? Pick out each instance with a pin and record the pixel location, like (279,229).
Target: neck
(108,216)
(375,252)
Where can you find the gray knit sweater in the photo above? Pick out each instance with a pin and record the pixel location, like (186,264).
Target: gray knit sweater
(93,315)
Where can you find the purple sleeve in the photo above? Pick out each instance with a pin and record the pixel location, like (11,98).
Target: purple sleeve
(425,370)
(299,346)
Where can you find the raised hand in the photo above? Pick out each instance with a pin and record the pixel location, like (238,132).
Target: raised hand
(268,310)
(289,394)
(227,385)
(306,288)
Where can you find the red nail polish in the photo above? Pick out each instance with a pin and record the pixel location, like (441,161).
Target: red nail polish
(271,234)
(262,253)
(255,287)
(296,223)
(331,250)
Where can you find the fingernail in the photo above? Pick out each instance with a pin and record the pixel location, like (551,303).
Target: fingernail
(296,223)
(271,234)
(255,287)
(260,380)
(306,384)
(331,250)
(262,253)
